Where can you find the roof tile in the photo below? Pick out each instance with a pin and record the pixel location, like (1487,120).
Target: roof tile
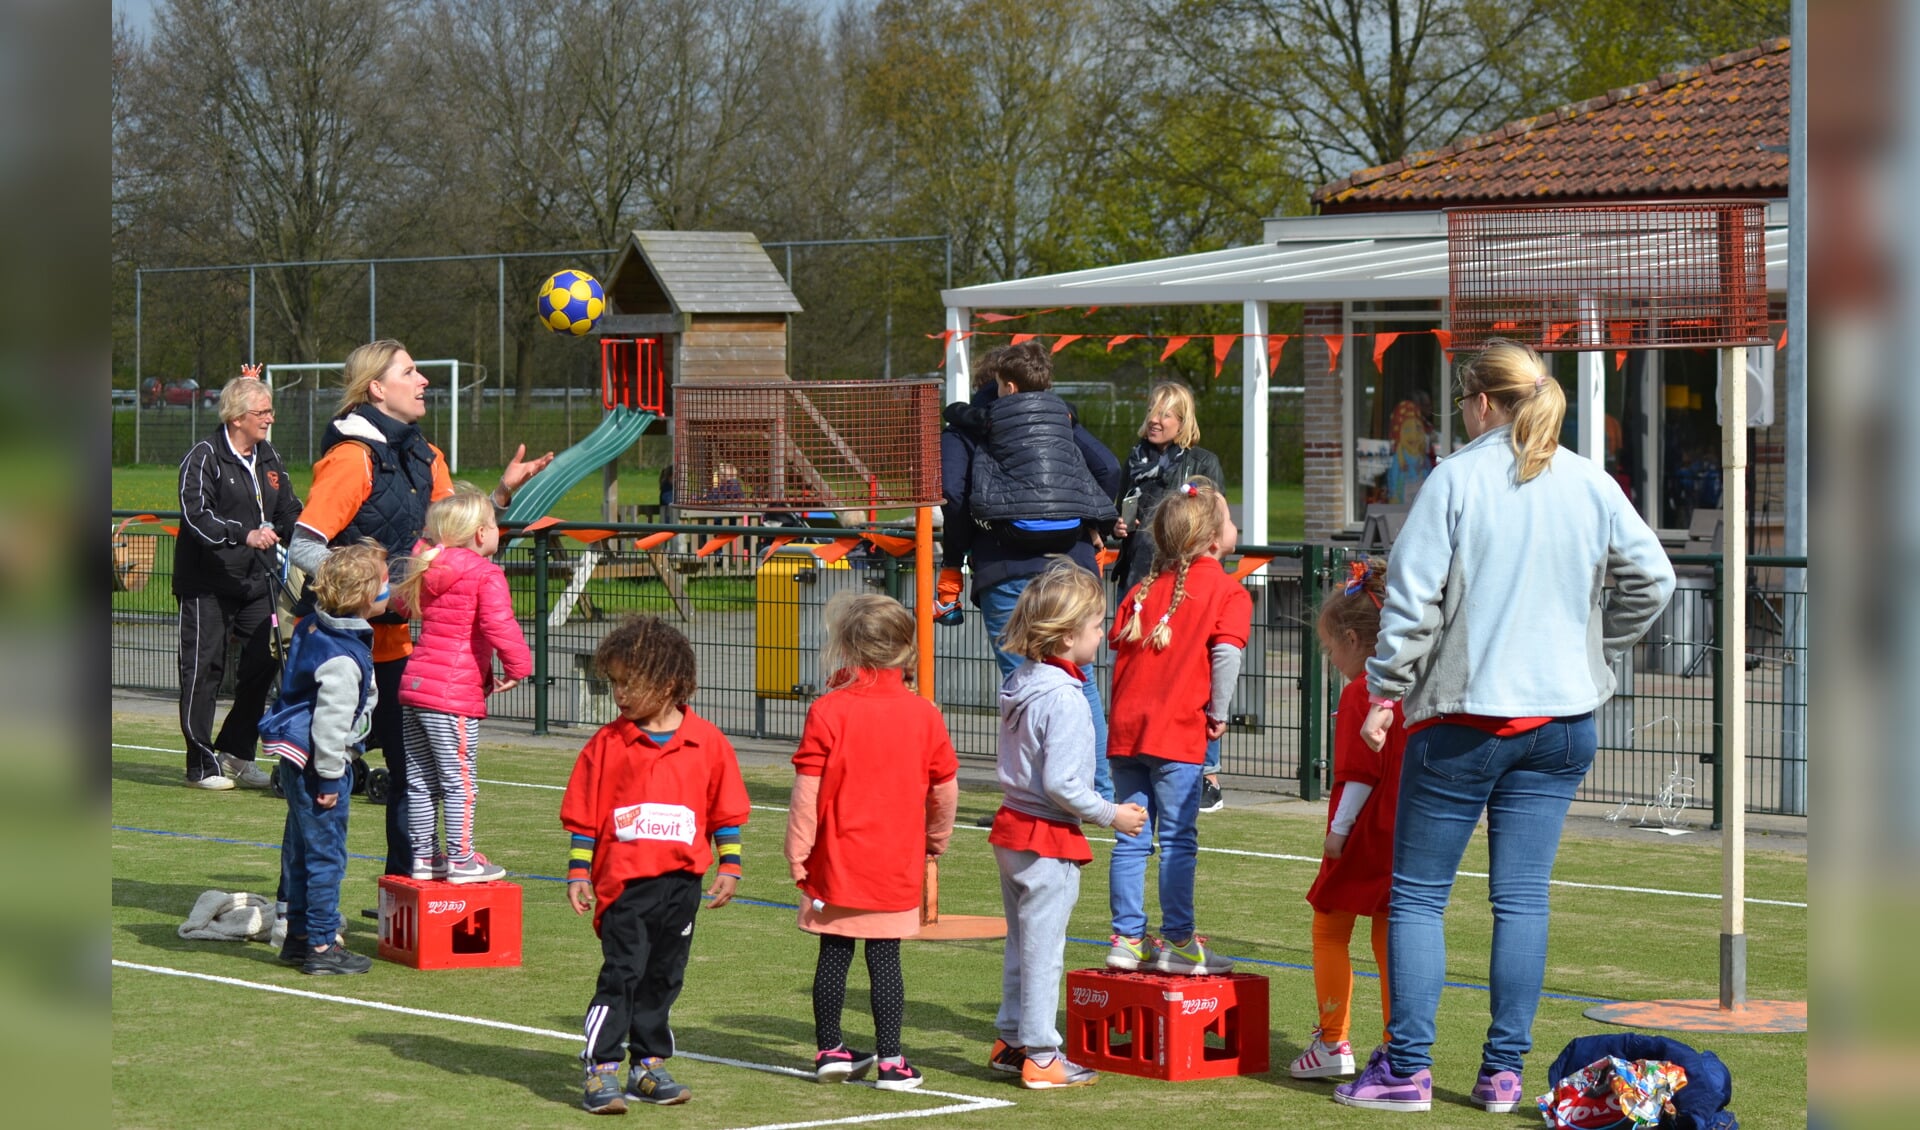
(1710,129)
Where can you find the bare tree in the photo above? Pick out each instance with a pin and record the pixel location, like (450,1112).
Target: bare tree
(270,123)
(1348,83)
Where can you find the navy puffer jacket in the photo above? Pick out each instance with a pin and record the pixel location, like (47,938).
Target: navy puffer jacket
(1700,1105)
(1031,468)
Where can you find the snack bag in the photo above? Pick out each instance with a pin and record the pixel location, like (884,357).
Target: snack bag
(1613,1094)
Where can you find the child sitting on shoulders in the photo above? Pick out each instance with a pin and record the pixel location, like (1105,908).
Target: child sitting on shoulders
(647,794)
(873,797)
(1046,769)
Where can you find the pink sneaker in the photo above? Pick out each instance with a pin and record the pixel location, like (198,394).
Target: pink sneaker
(1497,1092)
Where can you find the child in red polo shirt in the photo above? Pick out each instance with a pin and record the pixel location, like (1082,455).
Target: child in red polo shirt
(873,800)
(647,793)
(1177,645)
(1356,864)
(1046,767)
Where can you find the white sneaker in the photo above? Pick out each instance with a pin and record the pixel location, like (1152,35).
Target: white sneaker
(1322,1060)
(215,783)
(246,774)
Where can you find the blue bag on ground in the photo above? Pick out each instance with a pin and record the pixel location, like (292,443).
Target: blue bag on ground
(1700,1105)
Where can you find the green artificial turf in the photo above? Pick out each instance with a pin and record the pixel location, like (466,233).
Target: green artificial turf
(188,1052)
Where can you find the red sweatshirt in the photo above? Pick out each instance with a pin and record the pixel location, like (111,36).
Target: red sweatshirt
(878,750)
(650,809)
(1160,697)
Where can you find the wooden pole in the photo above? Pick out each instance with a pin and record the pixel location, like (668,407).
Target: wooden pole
(1733,702)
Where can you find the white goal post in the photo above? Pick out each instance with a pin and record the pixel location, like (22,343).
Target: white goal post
(453,395)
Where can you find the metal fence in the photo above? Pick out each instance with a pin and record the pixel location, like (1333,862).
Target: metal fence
(750,600)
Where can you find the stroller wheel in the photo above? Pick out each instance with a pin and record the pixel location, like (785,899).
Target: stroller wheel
(377,782)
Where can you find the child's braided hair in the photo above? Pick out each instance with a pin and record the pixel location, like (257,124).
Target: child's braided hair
(652,655)
(1184,525)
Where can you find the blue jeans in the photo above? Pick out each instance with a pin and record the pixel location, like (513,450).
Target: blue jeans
(1170,792)
(1524,784)
(313,856)
(996,608)
(1211,765)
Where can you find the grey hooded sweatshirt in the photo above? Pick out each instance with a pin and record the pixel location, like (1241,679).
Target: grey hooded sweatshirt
(1046,747)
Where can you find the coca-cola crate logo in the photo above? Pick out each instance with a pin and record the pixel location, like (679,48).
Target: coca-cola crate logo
(446,906)
(1199,1004)
(1084,996)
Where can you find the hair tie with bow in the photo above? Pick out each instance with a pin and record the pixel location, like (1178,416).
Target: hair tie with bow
(1357,574)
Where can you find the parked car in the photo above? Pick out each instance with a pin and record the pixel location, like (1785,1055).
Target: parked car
(154,393)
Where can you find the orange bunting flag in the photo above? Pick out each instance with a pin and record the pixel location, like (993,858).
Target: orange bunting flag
(652,540)
(773,547)
(1222,345)
(1783,340)
(714,544)
(1620,332)
(990,316)
(587,537)
(1088,312)
(1105,557)
(1063,340)
(1248,565)
(1381,343)
(834,550)
(1276,344)
(539,524)
(1559,330)
(1334,344)
(890,545)
(1445,338)
(1120,339)
(1174,345)
(1018,338)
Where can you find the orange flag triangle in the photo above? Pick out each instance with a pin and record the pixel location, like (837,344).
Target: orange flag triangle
(1783,340)
(1222,345)
(1334,344)
(1018,338)
(1276,343)
(1119,339)
(1063,340)
(1445,338)
(1174,345)
(1381,343)
(990,316)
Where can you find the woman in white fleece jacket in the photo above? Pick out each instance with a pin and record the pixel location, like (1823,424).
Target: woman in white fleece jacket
(1496,637)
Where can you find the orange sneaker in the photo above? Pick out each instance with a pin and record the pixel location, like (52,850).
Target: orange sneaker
(1059,1072)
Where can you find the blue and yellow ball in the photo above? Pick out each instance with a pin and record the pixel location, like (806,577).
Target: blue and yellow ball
(570,302)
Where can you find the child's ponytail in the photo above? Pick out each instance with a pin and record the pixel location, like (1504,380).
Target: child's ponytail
(1354,605)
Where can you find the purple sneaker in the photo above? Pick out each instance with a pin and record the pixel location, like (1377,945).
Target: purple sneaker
(1378,1088)
(1497,1092)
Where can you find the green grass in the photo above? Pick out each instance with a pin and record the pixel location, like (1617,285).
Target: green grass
(185,1047)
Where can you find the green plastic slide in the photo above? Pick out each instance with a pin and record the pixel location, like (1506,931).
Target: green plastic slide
(614,435)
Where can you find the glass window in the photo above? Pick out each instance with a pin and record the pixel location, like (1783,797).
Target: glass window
(1396,414)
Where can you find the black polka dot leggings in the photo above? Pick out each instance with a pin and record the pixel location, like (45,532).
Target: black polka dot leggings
(888,992)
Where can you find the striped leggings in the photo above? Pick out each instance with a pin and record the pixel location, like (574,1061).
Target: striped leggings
(440,779)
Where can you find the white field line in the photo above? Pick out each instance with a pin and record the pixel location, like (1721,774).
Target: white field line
(1714,896)
(963,1103)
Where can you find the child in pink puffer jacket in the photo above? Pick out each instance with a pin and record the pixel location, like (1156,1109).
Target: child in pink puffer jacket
(466,618)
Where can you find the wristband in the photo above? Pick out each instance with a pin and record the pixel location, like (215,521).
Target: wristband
(1380,700)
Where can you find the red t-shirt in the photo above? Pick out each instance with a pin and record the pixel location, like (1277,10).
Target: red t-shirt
(652,809)
(1360,880)
(878,749)
(1160,697)
(1488,723)
(1050,839)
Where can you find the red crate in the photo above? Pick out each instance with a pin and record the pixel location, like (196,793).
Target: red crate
(434,925)
(1161,1026)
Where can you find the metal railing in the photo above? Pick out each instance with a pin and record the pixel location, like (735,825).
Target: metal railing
(750,599)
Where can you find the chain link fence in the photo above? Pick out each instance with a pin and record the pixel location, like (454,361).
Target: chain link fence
(750,599)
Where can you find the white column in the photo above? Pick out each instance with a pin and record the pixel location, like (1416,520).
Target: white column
(1732,770)
(1253,423)
(453,410)
(959,367)
(1591,439)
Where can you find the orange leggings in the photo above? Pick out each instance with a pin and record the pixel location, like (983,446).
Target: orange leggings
(1333,972)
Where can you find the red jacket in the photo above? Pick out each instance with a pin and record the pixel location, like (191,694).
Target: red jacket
(652,810)
(1361,879)
(466,616)
(878,749)
(1160,697)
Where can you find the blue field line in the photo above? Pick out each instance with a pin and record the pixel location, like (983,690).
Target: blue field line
(1238,961)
